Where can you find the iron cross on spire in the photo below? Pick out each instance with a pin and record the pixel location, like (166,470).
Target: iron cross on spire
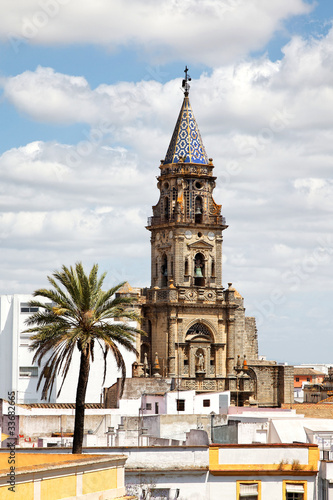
(185,84)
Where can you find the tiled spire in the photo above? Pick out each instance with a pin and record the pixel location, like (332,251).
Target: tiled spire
(186,142)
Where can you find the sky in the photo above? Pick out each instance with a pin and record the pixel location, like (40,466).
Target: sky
(89,96)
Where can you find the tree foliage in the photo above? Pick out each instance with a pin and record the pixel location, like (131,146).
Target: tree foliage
(77,315)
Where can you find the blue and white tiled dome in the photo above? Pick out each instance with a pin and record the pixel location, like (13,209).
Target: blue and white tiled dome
(186,140)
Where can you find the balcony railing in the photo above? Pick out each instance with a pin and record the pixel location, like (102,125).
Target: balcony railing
(191,294)
(212,219)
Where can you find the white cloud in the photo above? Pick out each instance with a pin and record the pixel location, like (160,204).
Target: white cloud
(269,129)
(207,31)
(257,98)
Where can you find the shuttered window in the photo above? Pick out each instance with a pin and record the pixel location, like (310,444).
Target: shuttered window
(248,491)
(294,488)
(294,491)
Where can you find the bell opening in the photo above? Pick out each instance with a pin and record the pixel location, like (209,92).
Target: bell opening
(164,271)
(199,270)
(198,210)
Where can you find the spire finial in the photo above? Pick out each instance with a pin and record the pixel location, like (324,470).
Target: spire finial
(185,84)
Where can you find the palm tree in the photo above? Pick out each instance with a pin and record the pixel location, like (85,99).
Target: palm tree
(78,317)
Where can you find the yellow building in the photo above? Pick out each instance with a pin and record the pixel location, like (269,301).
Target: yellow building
(39,476)
(259,471)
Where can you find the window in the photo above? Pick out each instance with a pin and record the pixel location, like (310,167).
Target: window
(148,406)
(25,308)
(199,270)
(295,490)
(206,403)
(213,269)
(160,494)
(156,409)
(308,379)
(28,371)
(25,338)
(198,210)
(248,490)
(185,362)
(166,208)
(297,379)
(180,404)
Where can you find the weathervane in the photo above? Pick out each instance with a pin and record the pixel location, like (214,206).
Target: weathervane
(185,84)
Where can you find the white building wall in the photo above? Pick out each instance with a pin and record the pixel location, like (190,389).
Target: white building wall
(266,455)
(129,406)
(172,397)
(6,346)
(213,398)
(252,432)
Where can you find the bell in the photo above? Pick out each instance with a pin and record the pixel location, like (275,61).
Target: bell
(198,272)
(198,211)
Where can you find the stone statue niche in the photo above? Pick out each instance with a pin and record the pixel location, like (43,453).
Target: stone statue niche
(200,361)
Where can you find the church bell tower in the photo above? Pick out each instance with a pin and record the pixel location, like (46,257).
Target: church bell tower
(186,228)
(195,327)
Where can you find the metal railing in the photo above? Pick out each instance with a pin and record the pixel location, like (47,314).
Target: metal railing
(212,219)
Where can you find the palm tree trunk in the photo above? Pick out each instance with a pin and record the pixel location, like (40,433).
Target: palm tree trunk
(80,401)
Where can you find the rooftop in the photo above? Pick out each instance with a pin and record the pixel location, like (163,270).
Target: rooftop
(32,462)
(71,406)
(307,371)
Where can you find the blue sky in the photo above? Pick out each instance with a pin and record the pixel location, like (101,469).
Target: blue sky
(89,98)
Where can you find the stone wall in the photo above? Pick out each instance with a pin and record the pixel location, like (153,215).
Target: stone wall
(45,425)
(251,345)
(275,383)
(134,388)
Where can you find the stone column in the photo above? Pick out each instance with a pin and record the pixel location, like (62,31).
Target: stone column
(171,346)
(192,362)
(179,260)
(230,344)
(207,362)
(218,261)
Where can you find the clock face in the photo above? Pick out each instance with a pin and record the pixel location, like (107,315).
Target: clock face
(211,235)
(188,234)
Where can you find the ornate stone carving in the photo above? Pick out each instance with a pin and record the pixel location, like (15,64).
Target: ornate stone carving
(190,295)
(210,295)
(209,385)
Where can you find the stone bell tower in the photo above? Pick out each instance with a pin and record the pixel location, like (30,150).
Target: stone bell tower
(186,228)
(196,328)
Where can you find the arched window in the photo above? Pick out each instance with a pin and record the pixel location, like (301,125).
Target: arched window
(186,268)
(166,208)
(213,269)
(199,270)
(198,210)
(198,329)
(164,270)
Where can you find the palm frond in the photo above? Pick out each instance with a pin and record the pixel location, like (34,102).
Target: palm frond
(78,314)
